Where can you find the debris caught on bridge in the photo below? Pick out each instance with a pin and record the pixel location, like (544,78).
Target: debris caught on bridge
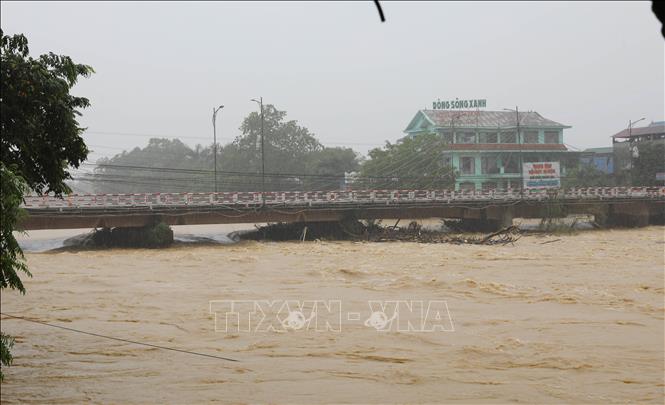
(372,232)
(415,233)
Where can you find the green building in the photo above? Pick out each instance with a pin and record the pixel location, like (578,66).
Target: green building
(485,148)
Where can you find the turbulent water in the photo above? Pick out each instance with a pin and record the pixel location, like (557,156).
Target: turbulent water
(575,318)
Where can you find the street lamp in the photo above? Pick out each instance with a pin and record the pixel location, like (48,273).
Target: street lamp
(630,126)
(214,135)
(519,140)
(263,162)
(630,142)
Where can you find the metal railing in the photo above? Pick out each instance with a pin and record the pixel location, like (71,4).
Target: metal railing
(309,198)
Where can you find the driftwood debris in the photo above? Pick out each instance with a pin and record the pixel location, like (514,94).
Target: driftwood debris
(372,232)
(415,233)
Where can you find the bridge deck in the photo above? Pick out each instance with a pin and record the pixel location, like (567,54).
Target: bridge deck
(125,210)
(333,197)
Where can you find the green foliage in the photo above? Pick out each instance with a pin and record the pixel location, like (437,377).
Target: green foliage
(187,169)
(552,220)
(294,160)
(12,261)
(6,343)
(556,226)
(651,160)
(40,134)
(151,236)
(40,140)
(327,167)
(587,175)
(286,143)
(159,235)
(286,148)
(414,162)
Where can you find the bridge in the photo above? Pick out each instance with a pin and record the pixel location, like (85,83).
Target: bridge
(631,206)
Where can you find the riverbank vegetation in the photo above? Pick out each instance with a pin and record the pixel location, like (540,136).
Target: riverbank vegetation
(40,142)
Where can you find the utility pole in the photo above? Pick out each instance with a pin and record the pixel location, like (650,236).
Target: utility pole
(454,140)
(630,127)
(214,142)
(519,141)
(630,146)
(263,161)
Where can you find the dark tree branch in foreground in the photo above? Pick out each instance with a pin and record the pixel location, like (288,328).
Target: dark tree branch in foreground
(40,140)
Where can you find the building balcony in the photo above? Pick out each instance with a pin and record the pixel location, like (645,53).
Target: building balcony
(488,175)
(506,147)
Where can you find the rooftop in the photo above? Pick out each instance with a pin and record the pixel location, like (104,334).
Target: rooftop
(607,149)
(488,119)
(653,129)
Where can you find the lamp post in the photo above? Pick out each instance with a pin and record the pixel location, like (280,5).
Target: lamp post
(519,141)
(263,162)
(630,126)
(630,142)
(454,140)
(214,139)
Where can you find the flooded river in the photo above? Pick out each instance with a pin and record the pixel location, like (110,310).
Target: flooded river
(573,318)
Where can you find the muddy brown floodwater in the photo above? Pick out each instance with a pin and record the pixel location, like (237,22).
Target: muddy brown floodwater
(576,320)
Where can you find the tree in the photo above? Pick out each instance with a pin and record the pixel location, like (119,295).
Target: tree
(40,134)
(294,160)
(164,165)
(413,162)
(293,156)
(650,160)
(288,139)
(40,140)
(286,147)
(11,261)
(326,168)
(586,175)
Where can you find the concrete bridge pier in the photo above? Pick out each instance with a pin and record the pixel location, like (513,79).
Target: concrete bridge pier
(498,217)
(657,214)
(489,219)
(631,215)
(154,235)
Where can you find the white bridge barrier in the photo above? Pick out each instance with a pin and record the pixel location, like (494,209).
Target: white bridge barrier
(309,198)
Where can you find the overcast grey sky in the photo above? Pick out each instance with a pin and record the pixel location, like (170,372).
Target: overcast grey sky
(334,67)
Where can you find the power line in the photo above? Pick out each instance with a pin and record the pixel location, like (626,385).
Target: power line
(239,173)
(134,134)
(118,339)
(147,135)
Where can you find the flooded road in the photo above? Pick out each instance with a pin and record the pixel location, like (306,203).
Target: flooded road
(578,319)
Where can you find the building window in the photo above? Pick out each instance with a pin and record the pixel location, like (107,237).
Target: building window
(447,137)
(551,136)
(530,136)
(468,165)
(511,164)
(489,137)
(508,137)
(489,165)
(466,137)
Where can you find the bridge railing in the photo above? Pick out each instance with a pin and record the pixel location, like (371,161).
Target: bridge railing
(311,198)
